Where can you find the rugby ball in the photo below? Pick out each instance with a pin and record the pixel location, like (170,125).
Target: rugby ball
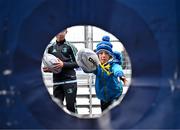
(87,59)
(49,60)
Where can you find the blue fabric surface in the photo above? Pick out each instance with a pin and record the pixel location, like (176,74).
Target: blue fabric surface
(149,30)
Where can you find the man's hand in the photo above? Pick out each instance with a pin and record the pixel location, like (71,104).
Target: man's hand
(46,69)
(58,65)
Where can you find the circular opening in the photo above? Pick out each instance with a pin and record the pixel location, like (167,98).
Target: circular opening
(81,100)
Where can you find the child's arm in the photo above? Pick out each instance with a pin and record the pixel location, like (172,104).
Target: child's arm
(118,72)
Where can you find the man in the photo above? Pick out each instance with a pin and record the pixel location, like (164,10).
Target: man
(65,83)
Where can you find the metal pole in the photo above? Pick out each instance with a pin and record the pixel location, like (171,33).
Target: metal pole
(89,44)
(88,36)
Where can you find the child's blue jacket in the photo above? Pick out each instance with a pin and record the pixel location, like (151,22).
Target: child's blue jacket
(108,87)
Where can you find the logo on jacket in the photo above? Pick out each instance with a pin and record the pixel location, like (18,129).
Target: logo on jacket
(54,51)
(64,50)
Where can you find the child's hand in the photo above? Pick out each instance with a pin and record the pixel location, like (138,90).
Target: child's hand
(123,78)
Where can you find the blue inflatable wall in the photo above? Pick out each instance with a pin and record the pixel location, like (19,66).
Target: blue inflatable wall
(149,30)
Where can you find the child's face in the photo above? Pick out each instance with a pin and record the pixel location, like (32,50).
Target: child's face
(103,57)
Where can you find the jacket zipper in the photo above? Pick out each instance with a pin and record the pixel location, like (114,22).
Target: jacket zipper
(104,85)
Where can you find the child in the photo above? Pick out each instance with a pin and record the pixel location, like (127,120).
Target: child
(109,71)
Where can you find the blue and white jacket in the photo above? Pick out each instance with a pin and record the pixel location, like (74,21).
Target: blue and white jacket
(108,87)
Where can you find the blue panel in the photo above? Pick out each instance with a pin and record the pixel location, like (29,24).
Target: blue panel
(149,30)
